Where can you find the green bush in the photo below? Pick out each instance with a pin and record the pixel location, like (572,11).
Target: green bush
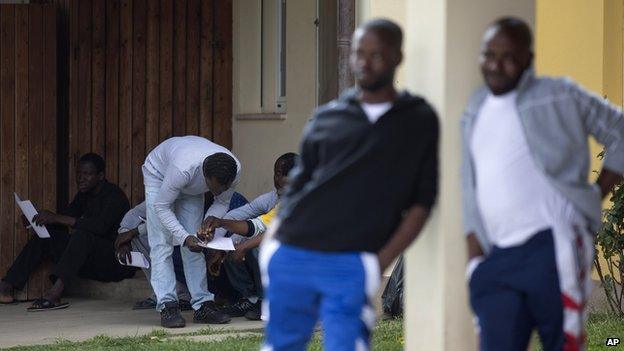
(610,239)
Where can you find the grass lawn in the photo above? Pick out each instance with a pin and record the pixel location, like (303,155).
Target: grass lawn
(601,326)
(604,326)
(388,337)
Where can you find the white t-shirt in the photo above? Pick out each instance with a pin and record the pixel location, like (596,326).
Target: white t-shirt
(374,111)
(514,198)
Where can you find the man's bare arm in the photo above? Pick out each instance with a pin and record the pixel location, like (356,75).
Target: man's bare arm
(234,226)
(409,228)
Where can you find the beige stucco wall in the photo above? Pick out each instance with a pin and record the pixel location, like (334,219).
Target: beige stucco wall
(257,143)
(442,40)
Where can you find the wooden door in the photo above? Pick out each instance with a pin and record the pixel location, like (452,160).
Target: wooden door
(141,71)
(28,125)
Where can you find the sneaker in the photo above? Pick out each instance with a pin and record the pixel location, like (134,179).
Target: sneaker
(185,305)
(240,308)
(170,316)
(255,314)
(208,313)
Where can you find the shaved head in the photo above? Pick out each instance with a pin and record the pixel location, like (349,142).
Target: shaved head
(505,54)
(515,29)
(389,32)
(375,54)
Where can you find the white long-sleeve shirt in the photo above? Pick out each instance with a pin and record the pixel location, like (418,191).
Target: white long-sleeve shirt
(134,219)
(175,167)
(257,207)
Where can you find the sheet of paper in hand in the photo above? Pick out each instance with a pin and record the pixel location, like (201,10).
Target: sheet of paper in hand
(218,243)
(29,212)
(138,260)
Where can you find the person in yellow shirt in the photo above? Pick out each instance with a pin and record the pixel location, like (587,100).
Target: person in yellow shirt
(246,225)
(254,228)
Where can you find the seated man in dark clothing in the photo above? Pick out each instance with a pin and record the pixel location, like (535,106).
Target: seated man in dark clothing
(94,215)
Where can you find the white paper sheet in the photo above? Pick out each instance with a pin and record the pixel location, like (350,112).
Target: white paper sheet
(219,243)
(29,211)
(138,260)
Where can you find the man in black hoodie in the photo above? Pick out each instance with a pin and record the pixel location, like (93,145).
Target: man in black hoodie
(94,215)
(359,195)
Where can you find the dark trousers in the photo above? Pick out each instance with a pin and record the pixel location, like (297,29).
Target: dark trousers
(516,290)
(81,253)
(245,276)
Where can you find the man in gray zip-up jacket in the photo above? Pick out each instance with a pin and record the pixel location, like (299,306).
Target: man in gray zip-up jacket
(528,209)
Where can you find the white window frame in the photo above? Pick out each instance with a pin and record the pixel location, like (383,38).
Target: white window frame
(280,70)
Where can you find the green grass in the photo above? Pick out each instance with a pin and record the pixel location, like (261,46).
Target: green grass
(157,340)
(601,326)
(388,336)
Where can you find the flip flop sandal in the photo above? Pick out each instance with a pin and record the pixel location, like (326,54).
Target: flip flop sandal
(46,305)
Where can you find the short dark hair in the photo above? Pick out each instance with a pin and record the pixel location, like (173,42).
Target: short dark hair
(220,166)
(389,31)
(286,162)
(96,160)
(517,29)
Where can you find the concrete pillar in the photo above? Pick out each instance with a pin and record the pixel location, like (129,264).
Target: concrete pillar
(442,44)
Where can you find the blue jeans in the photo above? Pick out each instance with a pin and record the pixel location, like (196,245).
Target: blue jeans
(189,211)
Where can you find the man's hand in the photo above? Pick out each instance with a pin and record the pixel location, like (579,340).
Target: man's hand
(191,243)
(475,254)
(206,231)
(409,228)
(123,253)
(125,238)
(473,246)
(214,262)
(607,180)
(239,253)
(384,263)
(45,217)
(25,222)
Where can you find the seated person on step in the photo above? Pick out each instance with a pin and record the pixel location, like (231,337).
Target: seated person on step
(248,224)
(94,215)
(133,237)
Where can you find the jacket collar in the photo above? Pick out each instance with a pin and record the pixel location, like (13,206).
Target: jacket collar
(525,81)
(477,99)
(351,95)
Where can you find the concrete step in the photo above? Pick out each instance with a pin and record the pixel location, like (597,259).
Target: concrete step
(130,290)
(138,288)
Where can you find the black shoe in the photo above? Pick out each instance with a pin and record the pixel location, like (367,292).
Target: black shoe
(185,305)
(208,313)
(170,316)
(146,304)
(255,314)
(240,308)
